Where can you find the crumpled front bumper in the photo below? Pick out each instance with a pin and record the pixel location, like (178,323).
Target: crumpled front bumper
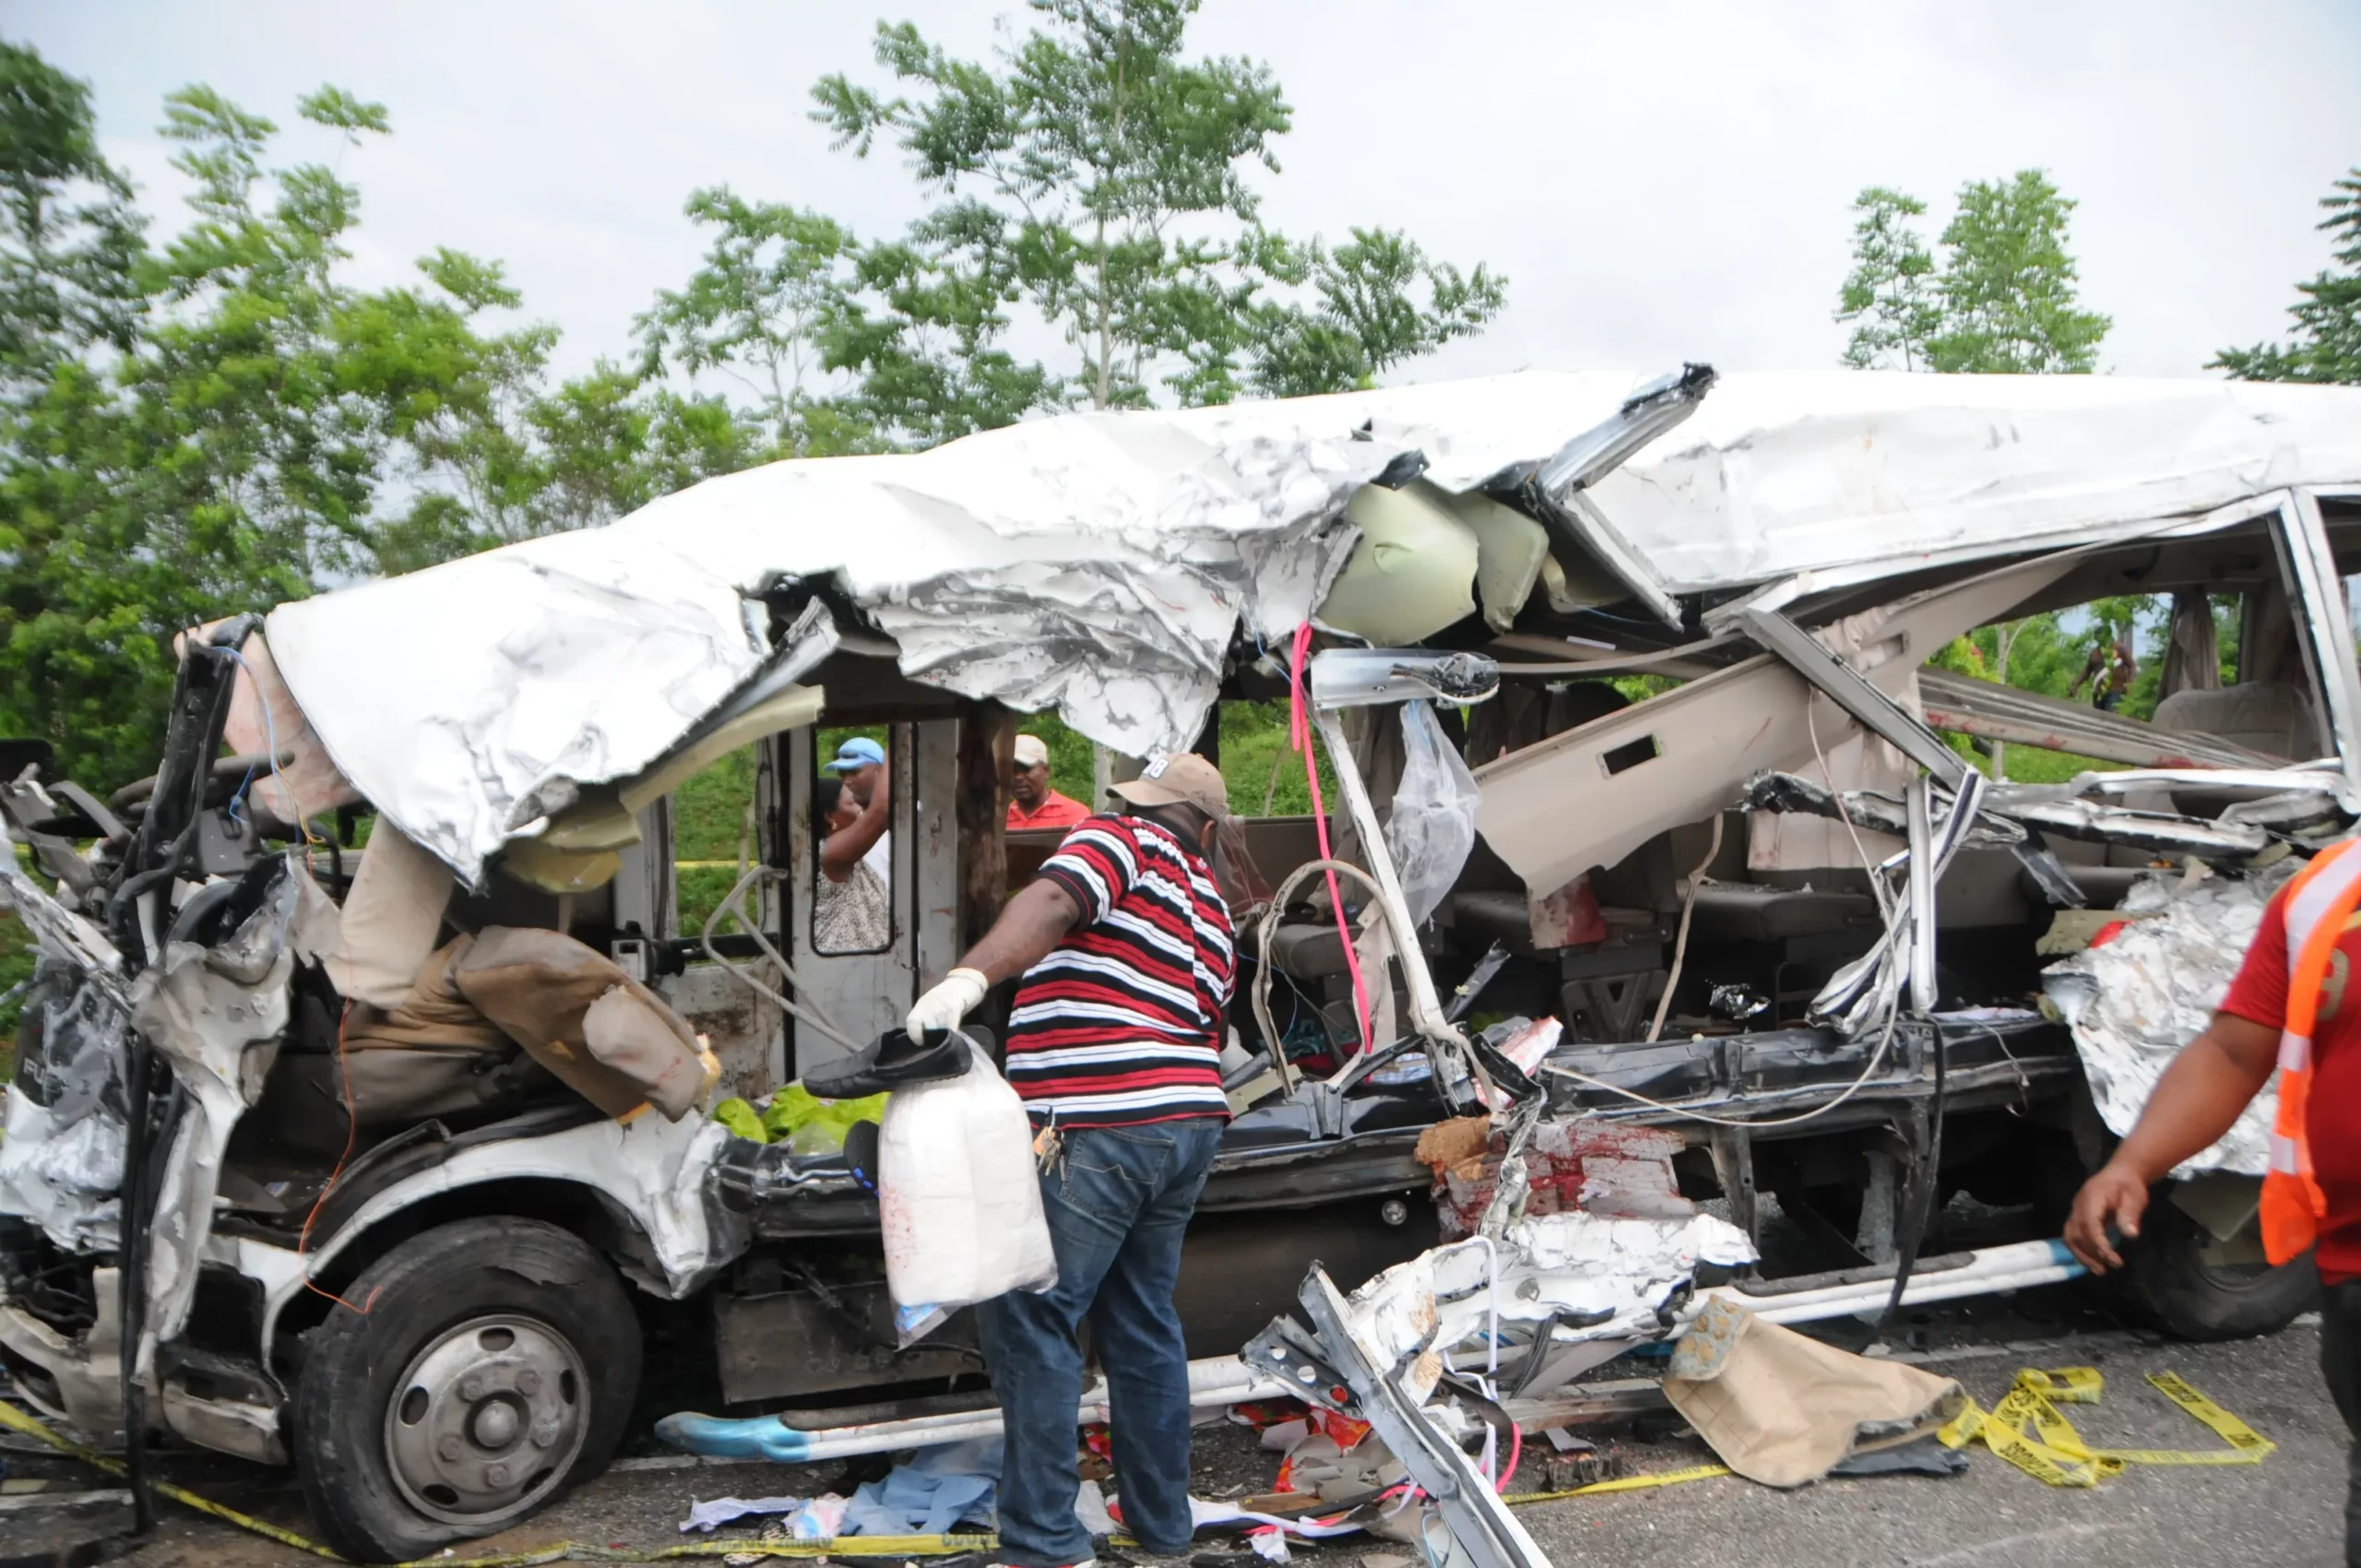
(78,1383)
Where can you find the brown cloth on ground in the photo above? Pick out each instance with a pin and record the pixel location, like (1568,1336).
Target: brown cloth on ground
(609,1037)
(1780,1408)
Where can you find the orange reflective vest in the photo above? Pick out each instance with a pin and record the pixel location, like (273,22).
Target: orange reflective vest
(2321,899)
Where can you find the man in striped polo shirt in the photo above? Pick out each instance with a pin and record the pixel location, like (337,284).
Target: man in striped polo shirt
(1114,1044)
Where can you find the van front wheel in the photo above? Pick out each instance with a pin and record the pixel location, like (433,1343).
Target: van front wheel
(484,1368)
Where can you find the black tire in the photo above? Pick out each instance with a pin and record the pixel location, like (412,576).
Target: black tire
(499,1354)
(2169,1281)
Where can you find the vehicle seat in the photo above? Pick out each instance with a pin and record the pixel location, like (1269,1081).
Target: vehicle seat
(1728,911)
(2263,715)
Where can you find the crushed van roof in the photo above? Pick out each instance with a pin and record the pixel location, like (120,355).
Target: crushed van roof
(1102,563)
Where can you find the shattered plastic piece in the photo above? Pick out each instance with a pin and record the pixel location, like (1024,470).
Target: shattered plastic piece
(1736,1001)
(1090,1511)
(2134,1001)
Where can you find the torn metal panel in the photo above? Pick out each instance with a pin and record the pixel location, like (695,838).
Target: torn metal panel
(1554,489)
(2135,1001)
(1389,1398)
(216,1015)
(2012,816)
(652,1170)
(2309,565)
(61,1156)
(1680,758)
(1849,474)
(1361,677)
(59,930)
(2156,832)
(1867,991)
(1851,691)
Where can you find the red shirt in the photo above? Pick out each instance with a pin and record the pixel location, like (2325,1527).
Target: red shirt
(1055,811)
(2334,1115)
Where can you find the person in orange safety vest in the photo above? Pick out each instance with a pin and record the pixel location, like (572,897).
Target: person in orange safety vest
(2285,1010)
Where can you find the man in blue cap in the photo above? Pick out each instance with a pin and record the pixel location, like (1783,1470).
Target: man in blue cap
(860,762)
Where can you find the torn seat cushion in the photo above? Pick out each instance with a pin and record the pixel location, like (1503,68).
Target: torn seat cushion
(432,1055)
(609,1037)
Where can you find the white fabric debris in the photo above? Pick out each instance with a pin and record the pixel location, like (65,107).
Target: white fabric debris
(710,1517)
(2134,1001)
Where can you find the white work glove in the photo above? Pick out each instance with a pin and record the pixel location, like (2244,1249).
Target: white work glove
(942,1007)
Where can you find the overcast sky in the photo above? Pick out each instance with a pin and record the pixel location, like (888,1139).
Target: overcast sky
(1659,182)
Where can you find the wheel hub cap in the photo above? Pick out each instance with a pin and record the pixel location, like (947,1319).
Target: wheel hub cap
(487,1420)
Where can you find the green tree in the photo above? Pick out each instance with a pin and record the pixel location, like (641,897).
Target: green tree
(1889,296)
(2327,344)
(1096,174)
(70,241)
(2001,300)
(2008,284)
(776,279)
(240,422)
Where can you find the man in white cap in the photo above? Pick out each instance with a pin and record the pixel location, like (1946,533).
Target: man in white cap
(1114,1044)
(1037,803)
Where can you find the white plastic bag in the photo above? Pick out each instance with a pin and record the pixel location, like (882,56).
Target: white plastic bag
(959,1197)
(1433,825)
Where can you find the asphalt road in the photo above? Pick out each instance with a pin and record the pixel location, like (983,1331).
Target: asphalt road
(2286,1512)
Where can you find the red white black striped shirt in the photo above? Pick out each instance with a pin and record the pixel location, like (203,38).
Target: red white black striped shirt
(1121,1023)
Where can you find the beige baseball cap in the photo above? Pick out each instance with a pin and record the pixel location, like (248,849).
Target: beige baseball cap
(1031,751)
(1179,776)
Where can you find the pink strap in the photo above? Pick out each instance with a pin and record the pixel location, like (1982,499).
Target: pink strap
(1300,736)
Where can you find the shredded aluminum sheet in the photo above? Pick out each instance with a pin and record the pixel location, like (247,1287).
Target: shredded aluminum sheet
(2134,1002)
(1102,563)
(1608,1276)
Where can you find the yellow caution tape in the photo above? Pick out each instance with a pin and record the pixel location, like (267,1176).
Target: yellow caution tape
(18,1420)
(2053,1452)
(850,1546)
(1625,1483)
(2029,1431)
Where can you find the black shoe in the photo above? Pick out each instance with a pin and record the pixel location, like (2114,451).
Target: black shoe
(894,1062)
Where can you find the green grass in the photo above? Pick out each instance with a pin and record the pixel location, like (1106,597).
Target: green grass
(710,823)
(2029,764)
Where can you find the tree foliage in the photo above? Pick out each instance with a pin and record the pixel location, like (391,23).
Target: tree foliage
(221,423)
(2326,343)
(2002,300)
(219,419)
(1101,177)
(1890,295)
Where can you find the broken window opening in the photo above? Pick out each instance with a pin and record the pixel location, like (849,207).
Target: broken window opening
(852,841)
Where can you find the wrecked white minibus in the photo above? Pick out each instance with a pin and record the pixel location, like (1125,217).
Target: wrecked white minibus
(389,1157)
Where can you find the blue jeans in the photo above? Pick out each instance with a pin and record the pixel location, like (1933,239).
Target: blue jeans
(1117,1203)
